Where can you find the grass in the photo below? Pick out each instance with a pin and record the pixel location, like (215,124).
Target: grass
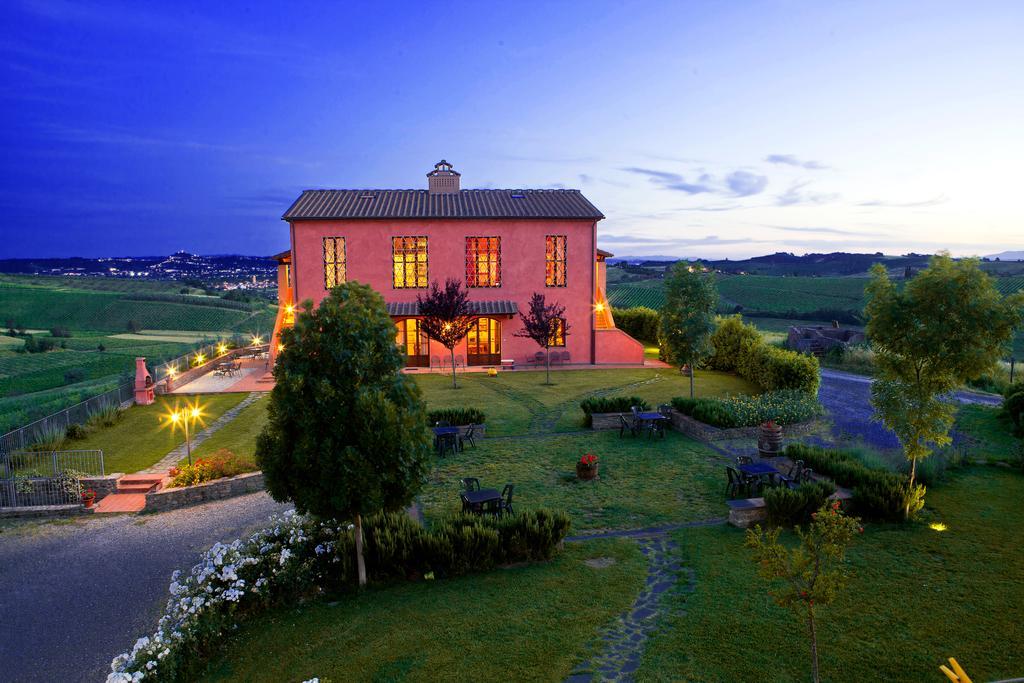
(141,438)
(520,402)
(520,623)
(642,481)
(917,597)
(988,432)
(239,435)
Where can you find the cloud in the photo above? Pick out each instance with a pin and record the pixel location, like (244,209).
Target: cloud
(744,183)
(940,199)
(795,195)
(677,241)
(793,160)
(817,230)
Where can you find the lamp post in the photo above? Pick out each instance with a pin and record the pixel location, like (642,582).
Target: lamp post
(186,417)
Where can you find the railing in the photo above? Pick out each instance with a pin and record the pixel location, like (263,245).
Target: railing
(58,423)
(32,478)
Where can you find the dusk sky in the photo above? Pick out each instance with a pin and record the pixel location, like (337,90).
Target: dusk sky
(699,129)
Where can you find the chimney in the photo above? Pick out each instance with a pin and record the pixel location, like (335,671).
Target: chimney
(443,179)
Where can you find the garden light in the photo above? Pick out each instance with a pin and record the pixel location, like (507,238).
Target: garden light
(199,359)
(599,307)
(186,417)
(937,526)
(222,348)
(289,309)
(256,340)
(280,348)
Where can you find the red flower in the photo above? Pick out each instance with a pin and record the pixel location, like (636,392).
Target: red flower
(588,460)
(835,505)
(861,529)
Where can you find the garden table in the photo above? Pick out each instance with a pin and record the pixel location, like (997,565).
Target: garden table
(443,434)
(758,469)
(478,500)
(651,419)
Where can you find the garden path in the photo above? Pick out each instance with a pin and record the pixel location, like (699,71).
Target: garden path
(178,454)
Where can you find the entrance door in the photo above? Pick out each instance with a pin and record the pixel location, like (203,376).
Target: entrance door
(414,343)
(484,342)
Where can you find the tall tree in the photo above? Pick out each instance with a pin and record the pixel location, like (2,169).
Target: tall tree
(811,574)
(346,433)
(948,324)
(446,317)
(688,316)
(545,324)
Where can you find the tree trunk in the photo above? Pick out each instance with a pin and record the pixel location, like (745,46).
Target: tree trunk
(547,365)
(814,644)
(690,367)
(913,472)
(360,564)
(454,384)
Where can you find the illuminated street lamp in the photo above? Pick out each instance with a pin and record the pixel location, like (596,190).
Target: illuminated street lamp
(256,340)
(186,417)
(222,348)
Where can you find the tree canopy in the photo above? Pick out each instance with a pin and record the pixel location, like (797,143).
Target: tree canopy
(446,316)
(688,316)
(544,323)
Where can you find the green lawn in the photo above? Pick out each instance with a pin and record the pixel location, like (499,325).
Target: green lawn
(643,481)
(239,435)
(521,623)
(918,597)
(989,433)
(520,402)
(141,437)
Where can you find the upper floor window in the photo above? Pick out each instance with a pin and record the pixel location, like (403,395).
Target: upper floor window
(409,255)
(483,261)
(335,265)
(557,332)
(554,260)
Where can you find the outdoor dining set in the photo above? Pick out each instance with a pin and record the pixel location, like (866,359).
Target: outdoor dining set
(481,501)
(451,439)
(227,368)
(650,422)
(749,478)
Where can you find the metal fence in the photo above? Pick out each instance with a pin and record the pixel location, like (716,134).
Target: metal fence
(58,423)
(29,478)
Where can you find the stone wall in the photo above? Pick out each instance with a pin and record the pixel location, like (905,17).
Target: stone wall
(103,486)
(42,511)
(186,496)
(684,424)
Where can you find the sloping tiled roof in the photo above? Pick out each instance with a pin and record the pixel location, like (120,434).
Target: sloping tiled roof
(328,204)
(500,307)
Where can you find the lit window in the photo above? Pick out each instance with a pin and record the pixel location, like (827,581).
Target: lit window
(288,276)
(554,261)
(409,255)
(557,332)
(483,261)
(335,269)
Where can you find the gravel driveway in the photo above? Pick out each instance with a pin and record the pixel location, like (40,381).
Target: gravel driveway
(73,594)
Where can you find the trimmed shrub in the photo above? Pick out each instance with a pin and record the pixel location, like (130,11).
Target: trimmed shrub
(740,348)
(609,404)
(783,407)
(457,417)
(1013,406)
(221,464)
(877,494)
(789,507)
(639,322)
(732,340)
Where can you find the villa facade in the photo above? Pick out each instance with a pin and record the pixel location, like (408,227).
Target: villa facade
(503,245)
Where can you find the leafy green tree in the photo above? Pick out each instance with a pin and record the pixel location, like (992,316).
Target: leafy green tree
(445,316)
(810,575)
(544,323)
(346,434)
(947,325)
(688,316)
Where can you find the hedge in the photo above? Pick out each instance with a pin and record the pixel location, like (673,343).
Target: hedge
(457,417)
(877,494)
(639,322)
(788,507)
(783,407)
(609,404)
(740,348)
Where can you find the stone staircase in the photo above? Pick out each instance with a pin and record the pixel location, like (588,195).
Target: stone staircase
(131,492)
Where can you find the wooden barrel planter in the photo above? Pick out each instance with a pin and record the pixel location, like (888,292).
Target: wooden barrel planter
(586,473)
(769,439)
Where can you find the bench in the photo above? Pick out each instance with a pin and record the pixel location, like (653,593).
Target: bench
(746,512)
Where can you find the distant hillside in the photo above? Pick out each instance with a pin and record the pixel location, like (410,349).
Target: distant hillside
(1007,256)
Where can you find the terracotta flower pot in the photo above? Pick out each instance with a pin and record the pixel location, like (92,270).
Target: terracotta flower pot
(586,473)
(88,502)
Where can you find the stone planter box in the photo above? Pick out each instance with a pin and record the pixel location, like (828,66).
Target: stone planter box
(684,424)
(103,486)
(219,489)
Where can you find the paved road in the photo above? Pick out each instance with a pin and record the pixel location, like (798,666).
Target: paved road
(75,594)
(847,399)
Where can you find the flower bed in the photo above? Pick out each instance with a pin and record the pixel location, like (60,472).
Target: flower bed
(220,464)
(297,557)
(784,407)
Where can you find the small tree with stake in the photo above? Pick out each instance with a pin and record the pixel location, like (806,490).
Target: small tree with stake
(346,433)
(812,573)
(446,317)
(542,322)
(688,317)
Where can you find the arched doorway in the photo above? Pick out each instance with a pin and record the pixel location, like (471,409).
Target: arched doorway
(483,343)
(413,343)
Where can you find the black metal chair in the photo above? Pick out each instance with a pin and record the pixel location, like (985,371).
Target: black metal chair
(468,436)
(470,484)
(625,424)
(505,504)
(665,409)
(744,460)
(737,484)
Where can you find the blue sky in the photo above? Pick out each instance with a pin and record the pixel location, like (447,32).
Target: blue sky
(705,129)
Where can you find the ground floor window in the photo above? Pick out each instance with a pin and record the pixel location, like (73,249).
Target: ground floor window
(413,343)
(484,342)
(558,332)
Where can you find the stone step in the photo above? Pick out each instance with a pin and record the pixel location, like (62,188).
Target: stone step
(121,502)
(136,488)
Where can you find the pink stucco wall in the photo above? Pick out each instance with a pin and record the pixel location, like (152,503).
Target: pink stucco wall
(368,252)
(614,346)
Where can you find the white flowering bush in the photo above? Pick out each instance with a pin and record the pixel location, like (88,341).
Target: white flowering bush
(298,557)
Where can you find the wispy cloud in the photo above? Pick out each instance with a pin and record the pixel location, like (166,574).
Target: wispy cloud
(793,160)
(745,183)
(934,201)
(822,229)
(736,184)
(676,241)
(797,194)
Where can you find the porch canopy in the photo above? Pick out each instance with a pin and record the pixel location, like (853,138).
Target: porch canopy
(499,307)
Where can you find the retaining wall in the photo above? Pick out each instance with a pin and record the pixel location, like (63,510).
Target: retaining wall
(684,424)
(186,496)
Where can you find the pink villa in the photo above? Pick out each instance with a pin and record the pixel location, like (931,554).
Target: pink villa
(503,244)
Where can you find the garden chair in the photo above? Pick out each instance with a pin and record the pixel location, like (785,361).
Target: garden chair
(792,478)
(505,504)
(538,358)
(656,427)
(460,362)
(435,363)
(737,485)
(470,484)
(744,460)
(565,357)
(665,409)
(445,443)
(468,436)
(625,424)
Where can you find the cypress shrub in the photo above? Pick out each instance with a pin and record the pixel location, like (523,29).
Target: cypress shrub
(457,417)
(639,322)
(740,348)
(788,507)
